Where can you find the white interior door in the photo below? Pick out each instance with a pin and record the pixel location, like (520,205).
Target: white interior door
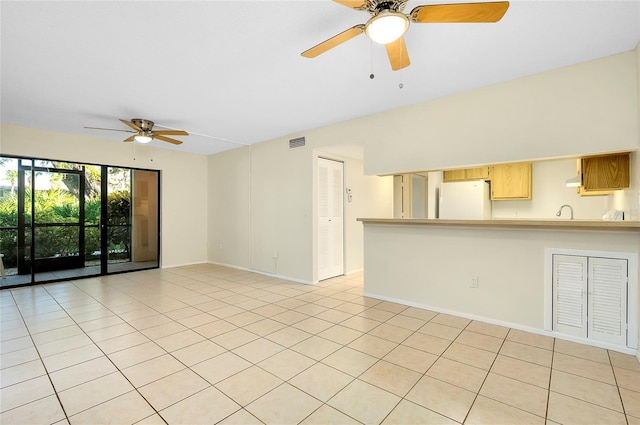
(330,218)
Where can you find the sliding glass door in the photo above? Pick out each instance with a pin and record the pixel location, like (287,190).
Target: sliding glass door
(132,235)
(51,211)
(63,220)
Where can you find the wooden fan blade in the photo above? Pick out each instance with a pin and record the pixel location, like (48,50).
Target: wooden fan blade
(398,55)
(462,12)
(132,125)
(170,133)
(167,139)
(333,41)
(110,129)
(354,4)
(130,139)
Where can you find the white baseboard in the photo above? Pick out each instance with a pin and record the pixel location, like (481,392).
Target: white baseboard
(586,341)
(173,266)
(276,276)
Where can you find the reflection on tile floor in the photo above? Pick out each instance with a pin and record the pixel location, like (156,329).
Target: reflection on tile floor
(13,279)
(208,344)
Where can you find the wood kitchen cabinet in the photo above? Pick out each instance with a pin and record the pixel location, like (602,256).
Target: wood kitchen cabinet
(477,173)
(604,172)
(511,181)
(454,175)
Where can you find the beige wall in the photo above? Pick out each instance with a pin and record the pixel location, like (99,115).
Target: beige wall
(229,205)
(371,195)
(183,181)
(586,108)
(262,205)
(281,214)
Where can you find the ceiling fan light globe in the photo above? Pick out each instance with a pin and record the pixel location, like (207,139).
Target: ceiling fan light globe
(386,27)
(141,138)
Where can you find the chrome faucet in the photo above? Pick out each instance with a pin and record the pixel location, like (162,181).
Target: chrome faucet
(560,210)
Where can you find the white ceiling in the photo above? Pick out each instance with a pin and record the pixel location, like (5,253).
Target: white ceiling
(230,72)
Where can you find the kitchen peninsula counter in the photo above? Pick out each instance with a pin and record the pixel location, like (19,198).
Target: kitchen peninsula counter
(512,223)
(496,271)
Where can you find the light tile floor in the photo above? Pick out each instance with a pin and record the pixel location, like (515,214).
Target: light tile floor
(208,344)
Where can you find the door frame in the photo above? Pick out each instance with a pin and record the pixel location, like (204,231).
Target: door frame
(35,265)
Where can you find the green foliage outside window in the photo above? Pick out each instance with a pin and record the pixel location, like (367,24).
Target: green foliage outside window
(61,206)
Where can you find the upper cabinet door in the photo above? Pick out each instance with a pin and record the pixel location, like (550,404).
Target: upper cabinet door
(511,181)
(477,173)
(607,172)
(454,175)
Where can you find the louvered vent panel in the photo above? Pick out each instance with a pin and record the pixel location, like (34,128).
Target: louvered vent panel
(608,299)
(337,192)
(298,142)
(323,245)
(569,287)
(323,192)
(570,293)
(336,250)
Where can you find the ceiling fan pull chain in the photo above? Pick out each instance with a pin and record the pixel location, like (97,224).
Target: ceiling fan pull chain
(371,75)
(400,85)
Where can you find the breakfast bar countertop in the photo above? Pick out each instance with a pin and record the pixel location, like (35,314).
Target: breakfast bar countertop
(514,223)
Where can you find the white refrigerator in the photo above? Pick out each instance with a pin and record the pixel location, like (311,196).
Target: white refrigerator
(466,200)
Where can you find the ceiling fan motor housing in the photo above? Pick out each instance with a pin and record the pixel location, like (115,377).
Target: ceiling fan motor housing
(145,125)
(376,6)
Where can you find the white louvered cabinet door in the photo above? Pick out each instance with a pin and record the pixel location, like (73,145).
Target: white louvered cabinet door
(608,300)
(570,294)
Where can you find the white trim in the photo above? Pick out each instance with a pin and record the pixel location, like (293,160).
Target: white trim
(537,331)
(173,266)
(548,289)
(632,295)
(231,266)
(276,276)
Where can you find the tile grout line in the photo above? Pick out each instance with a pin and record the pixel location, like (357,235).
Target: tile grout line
(615,379)
(466,416)
(553,354)
(64,411)
(105,355)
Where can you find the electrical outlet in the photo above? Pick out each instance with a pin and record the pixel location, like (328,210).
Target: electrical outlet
(474,282)
(220,245)
(275,255)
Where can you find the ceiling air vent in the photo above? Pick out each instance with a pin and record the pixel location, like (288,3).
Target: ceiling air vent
(298,142)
